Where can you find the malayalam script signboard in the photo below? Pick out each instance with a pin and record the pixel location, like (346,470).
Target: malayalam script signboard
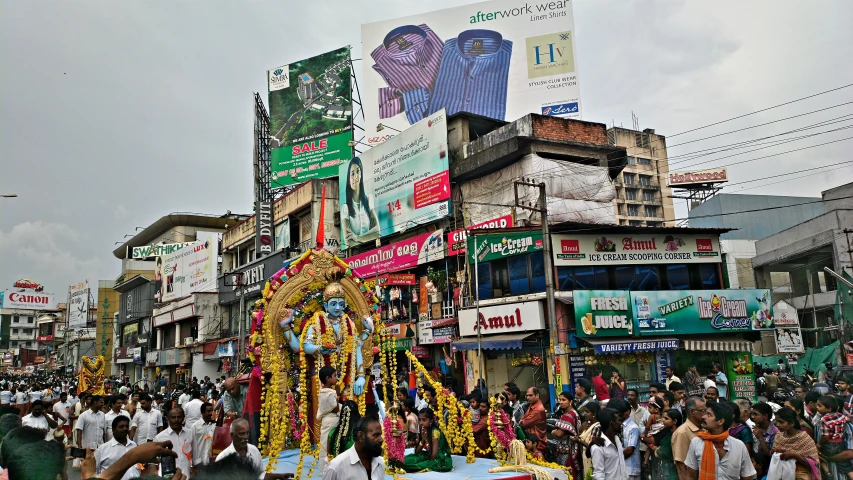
(398,256)
(78,305)
(497,59)
(741,375)
(310,117)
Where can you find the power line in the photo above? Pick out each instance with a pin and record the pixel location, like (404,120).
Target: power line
(759,125)
(762,110)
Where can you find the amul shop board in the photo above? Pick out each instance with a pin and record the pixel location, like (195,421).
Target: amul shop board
(514,342)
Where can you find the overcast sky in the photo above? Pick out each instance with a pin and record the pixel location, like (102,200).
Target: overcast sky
(114,113)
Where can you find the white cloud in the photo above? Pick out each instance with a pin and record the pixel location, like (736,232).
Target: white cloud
(54,254)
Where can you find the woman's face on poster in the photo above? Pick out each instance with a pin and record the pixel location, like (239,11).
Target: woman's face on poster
(354,176)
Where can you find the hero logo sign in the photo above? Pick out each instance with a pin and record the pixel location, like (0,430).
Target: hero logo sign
(263,224)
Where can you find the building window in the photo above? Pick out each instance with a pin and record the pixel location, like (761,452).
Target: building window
(708,275)
(648,195)
(630,194)
(632,160)
(583,278)
(14,331)
(643,277)
(28,331)
(643,161)
(645,180)
(678,277)
(651,211)
(30,319)
(633,210)
(519,276)
(484,279)
(628,178)
(635,223)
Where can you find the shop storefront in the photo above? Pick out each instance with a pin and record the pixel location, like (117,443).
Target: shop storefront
(514,342)
(677,328)
(133,326)
(177,328)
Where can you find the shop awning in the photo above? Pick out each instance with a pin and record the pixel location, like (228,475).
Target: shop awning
(605,346)
(727,345)
(492,342)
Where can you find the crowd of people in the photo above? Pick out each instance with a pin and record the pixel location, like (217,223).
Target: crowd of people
(686,429)
(603,431)
(44,418)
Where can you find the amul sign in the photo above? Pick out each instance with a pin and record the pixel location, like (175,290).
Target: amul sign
(692,177)
(512,317)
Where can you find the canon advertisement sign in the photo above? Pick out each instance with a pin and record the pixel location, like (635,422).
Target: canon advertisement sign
(29,300)
(698,177)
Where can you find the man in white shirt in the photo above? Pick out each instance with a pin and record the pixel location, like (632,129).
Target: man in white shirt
(735,464)
(147,422)
(181,438)
(5,396)
(192,409)
(38,419)
(22,400)
(92,425)
(241,447)
(203,435)
(184,398)
(116,402)
(35,394)
(108,453)
(62,412)
(365,454)
(608,461)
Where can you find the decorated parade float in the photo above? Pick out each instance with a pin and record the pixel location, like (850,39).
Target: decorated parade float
(316,312)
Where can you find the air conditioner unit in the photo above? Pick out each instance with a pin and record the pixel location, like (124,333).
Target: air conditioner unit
(189,341)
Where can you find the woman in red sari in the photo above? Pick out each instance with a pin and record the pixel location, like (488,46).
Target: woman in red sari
(568,426)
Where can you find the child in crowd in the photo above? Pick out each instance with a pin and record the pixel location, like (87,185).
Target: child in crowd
(474,402)
(411,422)
(831,434)
(653,425)
(531,444)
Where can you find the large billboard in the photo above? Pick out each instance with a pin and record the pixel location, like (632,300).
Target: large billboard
(188,270)
(310,117)
(497,59)
(397,185)
(622,248)
(78,305)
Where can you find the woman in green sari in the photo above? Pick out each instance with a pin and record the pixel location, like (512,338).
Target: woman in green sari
(432,452)
(663,463)
(341,437)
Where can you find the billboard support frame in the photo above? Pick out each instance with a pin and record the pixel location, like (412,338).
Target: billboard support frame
(355,98)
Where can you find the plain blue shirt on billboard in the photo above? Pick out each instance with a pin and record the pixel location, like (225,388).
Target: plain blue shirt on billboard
(472,78)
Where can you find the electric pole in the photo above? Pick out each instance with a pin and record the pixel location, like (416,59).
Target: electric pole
(542,208)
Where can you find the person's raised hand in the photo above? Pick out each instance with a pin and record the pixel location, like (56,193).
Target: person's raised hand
(87,464)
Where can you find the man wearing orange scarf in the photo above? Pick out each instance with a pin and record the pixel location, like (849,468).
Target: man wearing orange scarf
(713,455)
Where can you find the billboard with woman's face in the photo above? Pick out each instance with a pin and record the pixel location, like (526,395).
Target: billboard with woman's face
(400,184)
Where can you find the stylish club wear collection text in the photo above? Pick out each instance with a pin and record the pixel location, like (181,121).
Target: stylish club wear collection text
(472,74)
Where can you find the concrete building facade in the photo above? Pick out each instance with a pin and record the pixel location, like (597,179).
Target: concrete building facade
(643,197)
(790,263)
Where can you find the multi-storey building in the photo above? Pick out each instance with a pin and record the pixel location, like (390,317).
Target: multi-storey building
(643,197)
